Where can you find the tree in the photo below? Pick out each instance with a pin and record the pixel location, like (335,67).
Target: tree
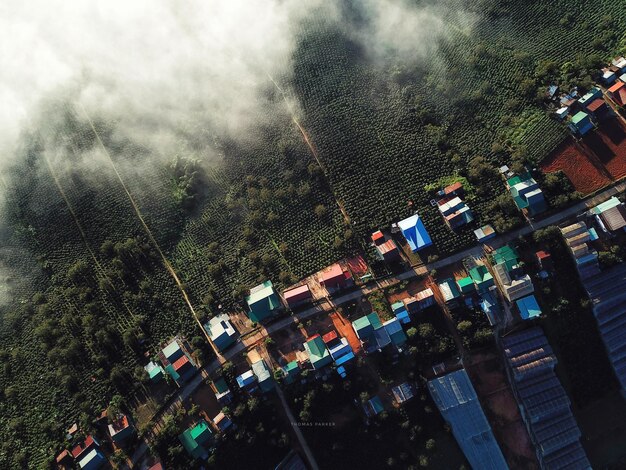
(321,211)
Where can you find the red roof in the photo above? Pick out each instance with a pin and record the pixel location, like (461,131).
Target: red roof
(156,466)
(378,235)
(595,105)
(616,87)
(119,424)
(180,362)
(333,273)
(84,446)
(620,96)
(312,337)
(542,255)
(386,247)
(297,292)
(453,187)
(63,456)
(328,337)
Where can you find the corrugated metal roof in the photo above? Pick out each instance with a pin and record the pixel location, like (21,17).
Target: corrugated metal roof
(456,399)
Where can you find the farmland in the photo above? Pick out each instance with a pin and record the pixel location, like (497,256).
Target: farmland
(85,292)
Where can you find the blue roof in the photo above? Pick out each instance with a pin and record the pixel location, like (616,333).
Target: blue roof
(543,401)
(456,399)
(345,358)
(246,379)
(415,233)
(528,307)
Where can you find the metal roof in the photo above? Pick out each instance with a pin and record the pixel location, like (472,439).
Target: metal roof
(415,232)
(457,401)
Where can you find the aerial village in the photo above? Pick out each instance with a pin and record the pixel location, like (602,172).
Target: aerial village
(473,333)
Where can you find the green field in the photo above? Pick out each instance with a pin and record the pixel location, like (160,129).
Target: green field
(85,292)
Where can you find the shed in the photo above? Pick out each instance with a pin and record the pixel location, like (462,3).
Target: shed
(403,392)
(528,307)
(222,392)
(544,259)
(262,301)
(291,371)
(222,422)
(415,233)
(155,371)
(378,237)
(246,380)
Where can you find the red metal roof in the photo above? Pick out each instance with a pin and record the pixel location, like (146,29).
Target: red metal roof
(616,87)
(156,466)
(119,424)
(63,456)
(333,273)
(79,449)
(542,254)
(328,337)
(297,291)
(180,362)
(595,105)
(453,187)
(620,96)
(378,235)
(386,247)
(312,337)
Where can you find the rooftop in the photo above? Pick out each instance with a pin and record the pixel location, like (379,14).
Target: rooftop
(260,292)
(415,232)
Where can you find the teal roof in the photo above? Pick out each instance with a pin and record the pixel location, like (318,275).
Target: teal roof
(579,117)
(466,285)
(395,331)
(606,205)
(318,353)
(397,305)
(507,255)
(262,301)
(194,439)
(171,349)
(513,181)
(374,320)
(260,292)
(291,370)
(361,323)
(220,385)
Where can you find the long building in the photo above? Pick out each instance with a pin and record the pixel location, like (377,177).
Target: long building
(457,401)
(543,403)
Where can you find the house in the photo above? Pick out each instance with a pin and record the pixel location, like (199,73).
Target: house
(543,403)
(121,429)
(395,332)
(91,460)
(576,237)
(484,233)
(527,195)
(509,275)
(458,403)
(551,91)
(420,301)
(415,233)
(611,214)
(618,93)
(81,449)
(222,422)
(401,313)
(221,331)
(481,277)
(466,285)
(454,211)
(222,392)
(197,440)
(378,238)
(388,251)
(608,76)
(334,278)
(177,364)
(544,260)
(489,305)
(373,406)
(247,381)
(562,113)
(173,351)
(297,295)
(403,392)
(292,461)
(455,189)
(184,369)
(622,77)
(580,123)
(449,291)
(317,351)
(592,95)
(261,371)
(528,307)
(339,348)
(371,332)
(262,302)
(155,371)
(620,63)
(291,371)
(598,108)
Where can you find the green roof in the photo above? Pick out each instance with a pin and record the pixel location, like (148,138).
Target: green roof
(317,346)
(513,181)
(505,254)
(374,320)
(606,205)
(361,323)
(220,385)
(466,284)
(318,354)
(291,367)
(260,292)
(579,116)
(262,301)
(194,439)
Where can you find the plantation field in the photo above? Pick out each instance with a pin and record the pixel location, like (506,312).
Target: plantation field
(84,292)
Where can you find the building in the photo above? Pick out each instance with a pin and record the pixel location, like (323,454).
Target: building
(339,348)
(388,251)
(489,305)
(262,302)
(598,108)
(484,233)
(481,277)
(544,260)
(513,283)
(608,77)
(291,371)
(401,313)
(373,406)
(528,307)
(420,301)
(395,332)
(221,331)
(247,381)
(455,189)
(378,237)
(371,332)
(449,291)
(291,462)
(121,430)
(618,93)
(197,440)
(576,237)
(334,278)
(415,233)
(456,399)
(543,403)
(172,352)
(92,460)
(466,285)
(222,422)
(611,214)
(155,372)
(455,211)
(222,393)
(182,370)
(297,295)
(261,371)
(562,113)
(620,63)
(589,97)
(317,351)
(403,392)
(64,459)
(527,195)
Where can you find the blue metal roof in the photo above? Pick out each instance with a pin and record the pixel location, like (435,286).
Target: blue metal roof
(528,307)
(544,404)
(415,232)
(456,399)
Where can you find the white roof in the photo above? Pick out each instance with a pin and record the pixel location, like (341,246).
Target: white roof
(562,110)
(220,324)
(619,62)
(446,206)
(607,74)
(87,458)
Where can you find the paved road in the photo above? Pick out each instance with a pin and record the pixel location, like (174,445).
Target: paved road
(329,305)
